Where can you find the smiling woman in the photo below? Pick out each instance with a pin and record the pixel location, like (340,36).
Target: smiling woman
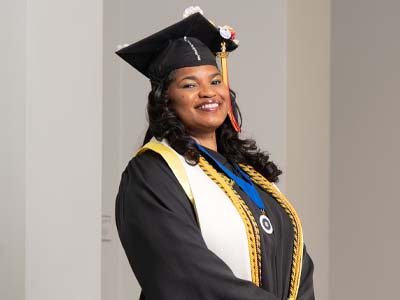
(197,211)
(199,98)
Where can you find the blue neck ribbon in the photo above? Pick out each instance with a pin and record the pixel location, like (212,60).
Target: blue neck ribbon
(244,183)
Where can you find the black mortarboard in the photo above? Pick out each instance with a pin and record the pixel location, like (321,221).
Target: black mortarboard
(191,42)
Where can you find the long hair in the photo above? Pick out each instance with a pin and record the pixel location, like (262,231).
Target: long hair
(165,124)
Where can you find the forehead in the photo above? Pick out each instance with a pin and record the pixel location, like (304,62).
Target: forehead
(197,71)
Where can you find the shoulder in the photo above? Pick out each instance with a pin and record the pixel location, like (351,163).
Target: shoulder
(148,159)
(147,167)
(149,185)
(149,194)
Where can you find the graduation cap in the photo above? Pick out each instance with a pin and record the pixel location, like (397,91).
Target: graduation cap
(193,41)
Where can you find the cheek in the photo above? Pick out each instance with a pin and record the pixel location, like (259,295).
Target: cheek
(181,107)
(226,94)
(178,102)
(223,92)
(182,102)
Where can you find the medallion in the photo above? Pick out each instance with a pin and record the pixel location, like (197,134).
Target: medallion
(266,224)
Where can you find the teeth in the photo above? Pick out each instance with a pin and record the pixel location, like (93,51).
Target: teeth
(209,106)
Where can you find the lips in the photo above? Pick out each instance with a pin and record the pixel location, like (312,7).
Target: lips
(209,106)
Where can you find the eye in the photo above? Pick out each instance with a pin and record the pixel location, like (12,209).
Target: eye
(216,82)
(189,85)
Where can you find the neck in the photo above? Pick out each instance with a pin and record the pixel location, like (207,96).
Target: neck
(208,140)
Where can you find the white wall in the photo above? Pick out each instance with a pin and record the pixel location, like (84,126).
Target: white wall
(51,100)
(365,149)
(114,264)
(12,149)
(63,149)
(308,134)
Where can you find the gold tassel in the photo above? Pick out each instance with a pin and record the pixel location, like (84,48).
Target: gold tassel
(223,55)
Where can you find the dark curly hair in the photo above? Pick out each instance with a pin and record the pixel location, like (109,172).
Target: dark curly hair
(164,124)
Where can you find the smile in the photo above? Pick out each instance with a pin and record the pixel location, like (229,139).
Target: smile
(208,106)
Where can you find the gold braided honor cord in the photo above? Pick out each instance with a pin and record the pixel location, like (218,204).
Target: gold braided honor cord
(297,229)
(252,231)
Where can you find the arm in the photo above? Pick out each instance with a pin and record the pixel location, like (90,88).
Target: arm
(163,243)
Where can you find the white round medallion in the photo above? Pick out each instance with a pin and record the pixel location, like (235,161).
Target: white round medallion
(266,224)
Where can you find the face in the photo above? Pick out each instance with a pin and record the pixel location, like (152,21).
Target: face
(200,98)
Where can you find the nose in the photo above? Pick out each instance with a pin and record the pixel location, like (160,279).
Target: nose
(206,91)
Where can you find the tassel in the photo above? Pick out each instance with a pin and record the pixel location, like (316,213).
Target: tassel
(224,70)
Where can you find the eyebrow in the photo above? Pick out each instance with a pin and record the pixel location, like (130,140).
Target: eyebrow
(193,77)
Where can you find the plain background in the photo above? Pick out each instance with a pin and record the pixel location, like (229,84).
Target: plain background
(317,83)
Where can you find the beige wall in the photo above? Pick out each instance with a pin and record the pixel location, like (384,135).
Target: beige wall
(308,137)
(63,149)
(12,149)
(50,116)
(365,240)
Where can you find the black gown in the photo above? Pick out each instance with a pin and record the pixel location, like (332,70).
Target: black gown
(159,232)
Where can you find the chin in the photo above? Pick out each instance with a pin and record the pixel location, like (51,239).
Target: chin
(213,123)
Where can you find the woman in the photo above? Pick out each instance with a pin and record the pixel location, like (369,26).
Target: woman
(196,211)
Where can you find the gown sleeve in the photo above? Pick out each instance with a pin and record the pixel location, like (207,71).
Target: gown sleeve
(306,290)
(163,243)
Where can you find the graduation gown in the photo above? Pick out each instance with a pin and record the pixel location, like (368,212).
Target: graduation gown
(159,231)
